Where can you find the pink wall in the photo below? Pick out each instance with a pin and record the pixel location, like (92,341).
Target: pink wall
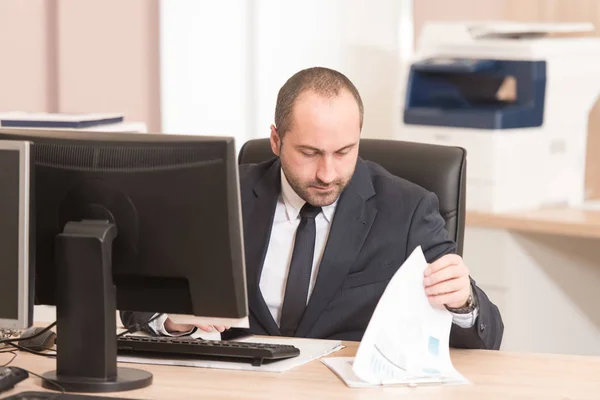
(24,73)
(81,56)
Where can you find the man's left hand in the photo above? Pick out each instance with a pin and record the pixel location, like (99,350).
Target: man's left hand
(447,282)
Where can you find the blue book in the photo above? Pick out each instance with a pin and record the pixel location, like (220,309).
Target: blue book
(57,120)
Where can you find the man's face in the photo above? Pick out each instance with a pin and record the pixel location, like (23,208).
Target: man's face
(318,154)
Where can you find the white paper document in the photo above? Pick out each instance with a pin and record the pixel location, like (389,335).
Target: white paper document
(407,340)
(310,349)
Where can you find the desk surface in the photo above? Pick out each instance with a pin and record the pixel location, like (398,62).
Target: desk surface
(494,375)
(556,221)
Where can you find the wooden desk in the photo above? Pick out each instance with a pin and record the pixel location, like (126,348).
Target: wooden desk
(494,375)
(557,221)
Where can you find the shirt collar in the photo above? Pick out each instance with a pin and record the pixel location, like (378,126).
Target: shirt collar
(294,203)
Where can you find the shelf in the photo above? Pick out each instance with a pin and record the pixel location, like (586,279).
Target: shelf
(562,221)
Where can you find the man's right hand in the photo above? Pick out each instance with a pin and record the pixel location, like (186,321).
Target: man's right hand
(172,327)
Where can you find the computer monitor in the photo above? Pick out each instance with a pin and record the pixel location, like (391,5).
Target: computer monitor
(16,301)
(138,222)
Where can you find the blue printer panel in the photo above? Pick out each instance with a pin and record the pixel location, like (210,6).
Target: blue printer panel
(462,92)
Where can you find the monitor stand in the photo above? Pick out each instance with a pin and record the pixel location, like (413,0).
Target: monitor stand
(86,313)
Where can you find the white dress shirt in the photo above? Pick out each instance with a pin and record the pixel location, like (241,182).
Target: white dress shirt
(275,270)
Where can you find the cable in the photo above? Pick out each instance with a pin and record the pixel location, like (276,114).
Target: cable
(54,383)
(134,328)
(46,329)
(138,327)
(10,342)
(37,353)
(6,349)
(14,355)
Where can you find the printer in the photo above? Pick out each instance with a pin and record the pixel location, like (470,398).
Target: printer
(517,97)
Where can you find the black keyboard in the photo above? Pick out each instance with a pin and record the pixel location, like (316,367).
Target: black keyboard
(256,353)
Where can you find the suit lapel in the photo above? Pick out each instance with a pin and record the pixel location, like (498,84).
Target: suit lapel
(351,224)
(259,210)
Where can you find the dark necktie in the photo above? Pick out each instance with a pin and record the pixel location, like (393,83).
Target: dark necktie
(296,289)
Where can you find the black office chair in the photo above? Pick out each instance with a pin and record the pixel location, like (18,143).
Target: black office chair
(439,169)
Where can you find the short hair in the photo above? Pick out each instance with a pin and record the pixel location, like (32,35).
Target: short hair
(323,81)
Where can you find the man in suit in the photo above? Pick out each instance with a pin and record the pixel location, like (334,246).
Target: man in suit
(325,231)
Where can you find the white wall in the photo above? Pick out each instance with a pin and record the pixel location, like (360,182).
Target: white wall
(357,37)
(205,67)
(223,62)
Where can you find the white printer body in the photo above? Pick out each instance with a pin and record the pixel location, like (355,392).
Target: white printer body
(523,152)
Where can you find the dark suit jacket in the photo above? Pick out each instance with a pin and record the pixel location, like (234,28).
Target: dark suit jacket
(380,219)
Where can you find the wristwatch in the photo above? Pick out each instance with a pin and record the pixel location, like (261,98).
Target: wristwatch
(467,308)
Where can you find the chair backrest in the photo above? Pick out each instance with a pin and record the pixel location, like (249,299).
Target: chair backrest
(439,169)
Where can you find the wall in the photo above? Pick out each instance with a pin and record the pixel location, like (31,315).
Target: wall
(108,58)
(229,86)
(206,67)
(358,37)
(24,75)
(75,56)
